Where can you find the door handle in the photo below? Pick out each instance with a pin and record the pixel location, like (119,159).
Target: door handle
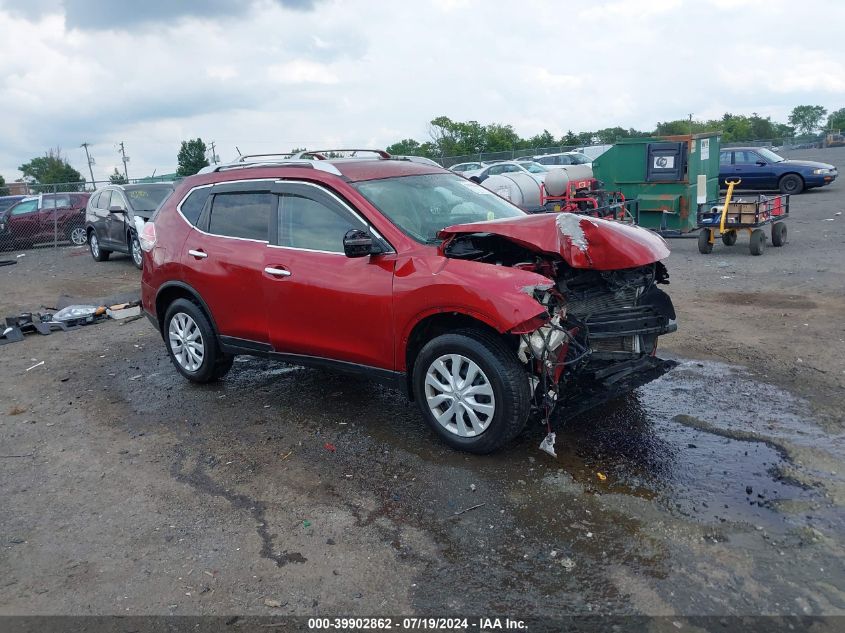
(278,272)
(197,254)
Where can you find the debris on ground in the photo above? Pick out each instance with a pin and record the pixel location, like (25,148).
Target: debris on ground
(548,445)
(601,476)
(273,604)
(475,507)
(330,447)
(36,365)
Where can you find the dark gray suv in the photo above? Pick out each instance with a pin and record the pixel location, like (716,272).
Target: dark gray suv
(116,215)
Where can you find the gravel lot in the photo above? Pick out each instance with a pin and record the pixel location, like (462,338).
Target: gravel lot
(717,490)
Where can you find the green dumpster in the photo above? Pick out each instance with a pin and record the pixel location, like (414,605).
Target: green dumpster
(667,175)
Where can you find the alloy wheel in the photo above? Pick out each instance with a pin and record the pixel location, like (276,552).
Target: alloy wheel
(78,236)
(459,395)
(186,342)
(95,245)
(136,252)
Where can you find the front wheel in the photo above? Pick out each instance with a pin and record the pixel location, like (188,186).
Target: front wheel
(791,184)
(778,234)
(192,345)
(99,254)
(757,243)
(472,390)
(77,236)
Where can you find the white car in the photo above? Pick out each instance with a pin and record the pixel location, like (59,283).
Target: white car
(468,170)
(563,159)
(536,171)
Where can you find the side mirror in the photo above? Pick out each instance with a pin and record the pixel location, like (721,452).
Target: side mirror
(117,210)
(358,243)
(761,163)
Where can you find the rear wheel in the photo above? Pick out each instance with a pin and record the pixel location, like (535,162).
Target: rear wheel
(472,390)
(135,250)
(757,244)
(729,238)
(99,254)
(791,183)
(778,234)
(192,344)
(705,246)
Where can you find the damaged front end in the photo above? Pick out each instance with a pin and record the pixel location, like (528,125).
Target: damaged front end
(597,336)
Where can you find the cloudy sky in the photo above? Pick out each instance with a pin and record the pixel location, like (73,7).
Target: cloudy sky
(270,75)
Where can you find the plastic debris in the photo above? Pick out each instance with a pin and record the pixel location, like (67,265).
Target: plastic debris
(306,523)
(273,604)
(548,445)
(79,313)
(330,447)
(601,476)
(36,365)
(472,487)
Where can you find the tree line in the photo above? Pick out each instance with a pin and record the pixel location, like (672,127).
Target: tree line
(460,138)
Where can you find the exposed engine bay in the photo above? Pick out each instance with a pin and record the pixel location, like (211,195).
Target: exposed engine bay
(598,335)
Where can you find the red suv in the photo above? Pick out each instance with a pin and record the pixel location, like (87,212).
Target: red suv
(412,275)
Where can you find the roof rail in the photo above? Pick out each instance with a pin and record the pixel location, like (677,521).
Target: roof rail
(287,162)
(325,154)
(243,158)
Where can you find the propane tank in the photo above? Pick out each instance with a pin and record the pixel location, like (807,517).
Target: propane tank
(520,188)
(559,178)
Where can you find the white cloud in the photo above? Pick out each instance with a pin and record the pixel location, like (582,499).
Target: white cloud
(302,71)
(269,78)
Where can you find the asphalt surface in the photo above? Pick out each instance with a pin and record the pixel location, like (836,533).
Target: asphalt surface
(717,490)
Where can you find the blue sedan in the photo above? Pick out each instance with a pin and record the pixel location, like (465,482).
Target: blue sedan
(760,168)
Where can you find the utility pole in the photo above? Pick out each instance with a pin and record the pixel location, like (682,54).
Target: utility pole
(90,164)
(125,159)
(690,123)
(214,158)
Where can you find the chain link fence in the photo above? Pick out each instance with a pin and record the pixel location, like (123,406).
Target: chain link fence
(46,216)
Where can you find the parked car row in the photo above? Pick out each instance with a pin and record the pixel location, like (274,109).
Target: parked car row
(535,166)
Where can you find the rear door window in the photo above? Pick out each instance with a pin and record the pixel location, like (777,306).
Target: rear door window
(244,215)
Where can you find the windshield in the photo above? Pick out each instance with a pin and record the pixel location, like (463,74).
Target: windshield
(147,198)
(422,205)
(769,155)
(579,159)
(534,168)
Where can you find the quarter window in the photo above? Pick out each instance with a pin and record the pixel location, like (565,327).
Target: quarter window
(192,205)
(309,224)
(244,215)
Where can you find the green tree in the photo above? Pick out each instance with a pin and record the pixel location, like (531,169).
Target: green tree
(807,118)
(52,169)
(191,157)
(836,120)
(117,178)
(405,147)
(4,190)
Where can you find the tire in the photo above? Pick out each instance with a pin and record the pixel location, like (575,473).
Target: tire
(135,251)
(77,236)
(778,234)
(729,238)
(470,427)
(757,244)
(791,184)
(199,359)
(99,254)
(705,246)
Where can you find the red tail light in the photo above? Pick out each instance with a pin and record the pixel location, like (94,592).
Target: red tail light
(148,237)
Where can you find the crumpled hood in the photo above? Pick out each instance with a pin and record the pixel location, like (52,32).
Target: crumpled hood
(582,242)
